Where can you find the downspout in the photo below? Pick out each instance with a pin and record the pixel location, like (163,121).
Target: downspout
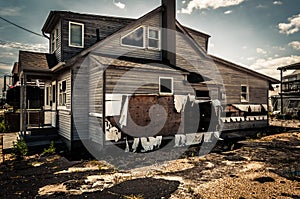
(103,105)
(46,35)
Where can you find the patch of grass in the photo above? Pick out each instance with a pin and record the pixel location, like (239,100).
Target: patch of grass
(3,126)
(19,149)
(49,151)
(191,190)
(133,197)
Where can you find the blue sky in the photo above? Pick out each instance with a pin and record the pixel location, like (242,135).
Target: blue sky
(259,34)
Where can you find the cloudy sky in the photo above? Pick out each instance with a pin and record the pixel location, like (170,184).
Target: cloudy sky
(259,34)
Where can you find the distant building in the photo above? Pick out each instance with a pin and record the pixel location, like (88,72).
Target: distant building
(289,97)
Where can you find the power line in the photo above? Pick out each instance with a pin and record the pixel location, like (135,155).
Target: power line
(22,27)
(6,63)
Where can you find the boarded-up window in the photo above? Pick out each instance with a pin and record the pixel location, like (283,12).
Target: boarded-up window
(165,85)
(76,32)
(134,38)
(244,93)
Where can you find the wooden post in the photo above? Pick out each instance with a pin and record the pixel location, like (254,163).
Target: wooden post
(281,94)
(1,147)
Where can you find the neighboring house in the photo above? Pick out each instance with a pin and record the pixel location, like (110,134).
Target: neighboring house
(100,68)
(288,100)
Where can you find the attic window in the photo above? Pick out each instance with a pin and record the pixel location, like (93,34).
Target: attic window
(244,93)
(153,38)
(76,33)
(135,38)
(165,85)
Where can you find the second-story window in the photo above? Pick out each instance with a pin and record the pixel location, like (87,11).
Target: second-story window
(76,33)
(54,40)
(135,38)
(244,93)
(153,38)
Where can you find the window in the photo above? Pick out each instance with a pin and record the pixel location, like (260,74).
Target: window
(62,93)
(153,38)
(48,95)
(54,40)
(76,32)
(244,93)
(165,85)
(53,93)
(134,38)
(203,94)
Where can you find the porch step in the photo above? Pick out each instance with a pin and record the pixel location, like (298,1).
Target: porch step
(43,131)
(34,138)
(43,143)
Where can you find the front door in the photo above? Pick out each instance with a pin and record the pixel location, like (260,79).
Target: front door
(53,104)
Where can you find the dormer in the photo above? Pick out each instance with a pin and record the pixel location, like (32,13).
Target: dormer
(69,33)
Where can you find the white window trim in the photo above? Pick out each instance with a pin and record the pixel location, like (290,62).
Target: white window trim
(82,33)
(144,36)
(54,40)
(59,93)
(172,85)
(48,94)
(247,93)
(159,38)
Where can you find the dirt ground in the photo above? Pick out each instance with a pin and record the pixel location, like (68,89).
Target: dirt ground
(255,168)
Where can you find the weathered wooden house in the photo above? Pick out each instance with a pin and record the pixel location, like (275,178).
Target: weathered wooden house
(139,79)
(288,101)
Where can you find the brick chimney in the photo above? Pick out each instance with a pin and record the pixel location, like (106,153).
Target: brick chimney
(168,33)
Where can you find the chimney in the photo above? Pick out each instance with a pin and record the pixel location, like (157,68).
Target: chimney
(169,31)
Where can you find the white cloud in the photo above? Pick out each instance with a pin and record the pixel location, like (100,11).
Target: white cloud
(120,5)
(261,6)
(261,51)
(277,3)
(5,67)
(15,11)
(291,27)
(279,48)
(269,66)
(22,46)
(183,2)
(250,58)
(228,12)
(295,45)
(206,4)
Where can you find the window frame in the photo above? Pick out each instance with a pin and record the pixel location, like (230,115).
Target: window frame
(172,85)
(247,93)
(48,99)
(158,39)
(54,40)
(62,95)
(82,33)
(144,40)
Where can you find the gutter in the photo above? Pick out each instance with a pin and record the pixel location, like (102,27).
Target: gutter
(58,66)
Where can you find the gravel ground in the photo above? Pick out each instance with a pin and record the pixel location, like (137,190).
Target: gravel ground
(257,168)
